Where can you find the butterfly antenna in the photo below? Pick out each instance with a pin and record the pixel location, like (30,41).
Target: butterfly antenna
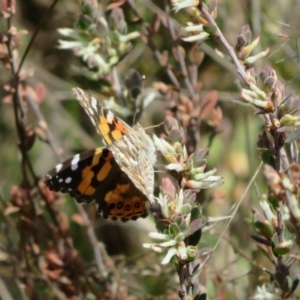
(154,126)
(139,98)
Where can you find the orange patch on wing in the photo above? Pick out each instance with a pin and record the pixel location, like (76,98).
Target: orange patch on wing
(121,127)
(97,157)
(103,120)
(104,171)
(123,188)
(119,131)
(111,196)
(85,187)
(107,139)
(124,207)
(104,128)
(90,191)
(116,134)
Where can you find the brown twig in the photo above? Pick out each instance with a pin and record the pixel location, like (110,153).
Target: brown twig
(182,63)
(29,176)
(182,292)
(42,21)
(94,242)
(42,123)
(223,40)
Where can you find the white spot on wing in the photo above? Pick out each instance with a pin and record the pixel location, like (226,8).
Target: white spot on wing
(74,162)
(68,180)
(60,180)
(58,167)
(110,116)
(94,103)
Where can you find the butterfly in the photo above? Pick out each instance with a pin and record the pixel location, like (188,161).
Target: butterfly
(118,177)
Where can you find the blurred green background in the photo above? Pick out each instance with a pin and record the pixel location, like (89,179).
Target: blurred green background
(232,151)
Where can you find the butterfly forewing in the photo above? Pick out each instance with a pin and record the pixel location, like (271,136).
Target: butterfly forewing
(109,127)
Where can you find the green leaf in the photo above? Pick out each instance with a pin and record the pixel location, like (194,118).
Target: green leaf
(274,201)
(174,230)
(195,237)
(201,297)
(283,248)
(195,213)
(294,286)
(268,157)
(210,29)
(293,135)
(186,209)
(194,232)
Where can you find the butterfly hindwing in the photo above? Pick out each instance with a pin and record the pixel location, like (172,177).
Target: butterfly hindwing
(76,175)
(94,175)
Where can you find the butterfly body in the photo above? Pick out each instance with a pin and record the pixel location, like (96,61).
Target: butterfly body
(119,177)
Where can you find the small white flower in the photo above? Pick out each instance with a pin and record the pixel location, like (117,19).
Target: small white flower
(289,120)
(267,293)
(69,44)
(202,176)
(198,37)
(194,171)
(162,200)
(258,92)
(213,181)
(163,146)
(247,50)
(167,244)
(171,252)
(179,200)
(182,252)
(180,4)
(252,98)
(159,236)
(153,247)
(267,210)
(175,167)
(128,37)
(193,27)
(252,59)
(68,32)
